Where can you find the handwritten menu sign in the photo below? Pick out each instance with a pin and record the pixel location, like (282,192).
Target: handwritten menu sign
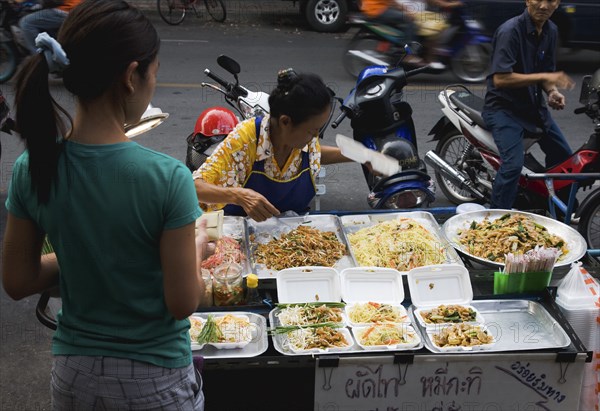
(511,382)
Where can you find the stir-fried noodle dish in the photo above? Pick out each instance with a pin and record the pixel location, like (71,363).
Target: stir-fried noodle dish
(511,233)
(303,246)
(319,337)
(449,314)
(402,244)
(307,314)
(464,335)
(373,312)
(385,334)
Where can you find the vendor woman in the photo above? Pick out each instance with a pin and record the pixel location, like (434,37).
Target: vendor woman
(268,165)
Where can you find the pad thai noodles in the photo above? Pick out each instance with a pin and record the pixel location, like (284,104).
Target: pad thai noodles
(464,335)
(449,314)
(372,312)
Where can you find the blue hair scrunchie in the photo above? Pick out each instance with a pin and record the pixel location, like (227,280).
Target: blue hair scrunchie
(53,52)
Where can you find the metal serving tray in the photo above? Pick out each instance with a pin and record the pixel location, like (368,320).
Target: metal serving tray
(575,241)
(353,223)
(263,232)
(279,341)
(256,347)
(516,325)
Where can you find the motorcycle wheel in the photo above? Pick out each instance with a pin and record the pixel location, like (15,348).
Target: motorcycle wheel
(451,148)
(8,62)
(589,224)
(366,43)
(472,63)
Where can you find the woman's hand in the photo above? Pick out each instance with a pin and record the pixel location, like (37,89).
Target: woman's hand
(256,205)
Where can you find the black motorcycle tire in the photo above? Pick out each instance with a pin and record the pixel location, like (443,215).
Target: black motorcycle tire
(216,9)
(472,63)
(9,61)
(453,144)
(365,42)
(589,224)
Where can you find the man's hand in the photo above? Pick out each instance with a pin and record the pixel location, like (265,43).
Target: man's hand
(556,100)
(256,205)
(559,80)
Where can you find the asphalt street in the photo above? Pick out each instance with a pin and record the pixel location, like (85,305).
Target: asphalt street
(263,37)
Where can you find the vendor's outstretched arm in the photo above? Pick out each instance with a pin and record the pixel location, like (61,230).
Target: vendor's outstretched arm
(254,204)
(332,155)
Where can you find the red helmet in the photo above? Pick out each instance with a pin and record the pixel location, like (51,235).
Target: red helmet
(215,121)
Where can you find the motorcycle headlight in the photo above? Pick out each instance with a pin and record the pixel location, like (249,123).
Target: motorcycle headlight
(406,199)
(247,110)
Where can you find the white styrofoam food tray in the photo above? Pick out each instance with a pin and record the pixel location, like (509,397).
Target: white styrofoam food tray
(363,285)
(308,284)
(443,284)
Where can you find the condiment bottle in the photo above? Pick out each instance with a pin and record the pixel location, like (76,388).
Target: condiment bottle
(228,285)
(252,295)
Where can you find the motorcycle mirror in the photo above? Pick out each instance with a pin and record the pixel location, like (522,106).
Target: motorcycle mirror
(229,64)
(152,117)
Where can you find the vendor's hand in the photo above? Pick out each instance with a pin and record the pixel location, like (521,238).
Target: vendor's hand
(556,100)
(560,80)
(256,205)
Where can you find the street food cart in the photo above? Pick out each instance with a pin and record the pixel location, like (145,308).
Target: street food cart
(536,360)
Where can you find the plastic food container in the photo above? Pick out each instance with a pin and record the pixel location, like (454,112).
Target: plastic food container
(228,286)
(436,285)
(364,286)
(405,330)
(460,348)
(239,333)
(308,284)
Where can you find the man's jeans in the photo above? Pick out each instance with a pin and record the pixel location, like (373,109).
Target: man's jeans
(47,20)
(508,135)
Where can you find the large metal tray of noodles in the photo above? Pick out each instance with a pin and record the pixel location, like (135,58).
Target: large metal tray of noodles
(516,325)
(575,242)
(273,228)
(353,223)
(235,228)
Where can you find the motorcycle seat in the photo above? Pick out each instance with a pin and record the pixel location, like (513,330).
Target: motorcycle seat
(470,104)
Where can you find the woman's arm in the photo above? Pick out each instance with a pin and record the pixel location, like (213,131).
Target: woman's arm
(332,155)
(182,282)
(24,270)
(254,204)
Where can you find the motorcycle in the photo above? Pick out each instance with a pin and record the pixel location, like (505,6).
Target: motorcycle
(12,50)
(463,47)
(215,123)
(466,160)
(381,121)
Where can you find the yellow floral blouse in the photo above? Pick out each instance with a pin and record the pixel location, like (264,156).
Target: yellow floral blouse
(231,162)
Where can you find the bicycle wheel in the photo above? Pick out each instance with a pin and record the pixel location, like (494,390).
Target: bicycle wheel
(171,11)
(216,9)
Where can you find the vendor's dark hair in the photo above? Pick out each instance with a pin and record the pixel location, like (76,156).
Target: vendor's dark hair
(299,96)
(100,38)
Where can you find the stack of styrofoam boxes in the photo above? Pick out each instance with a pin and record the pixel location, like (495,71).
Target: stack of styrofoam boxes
(578,296)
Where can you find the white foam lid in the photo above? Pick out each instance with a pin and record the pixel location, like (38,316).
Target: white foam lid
(433,285)
(377,284)
(308,284)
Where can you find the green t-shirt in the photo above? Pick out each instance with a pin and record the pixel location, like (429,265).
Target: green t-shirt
(106,213)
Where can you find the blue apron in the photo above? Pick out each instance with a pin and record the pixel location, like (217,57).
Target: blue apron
(295,194)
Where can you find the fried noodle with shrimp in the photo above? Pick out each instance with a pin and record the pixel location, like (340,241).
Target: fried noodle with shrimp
(303,246)
(372,312)
(511,233)
(385,334)
(320,337)
(402,244)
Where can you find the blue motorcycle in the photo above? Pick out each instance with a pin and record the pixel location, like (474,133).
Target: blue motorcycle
(462,47)
(382,121)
